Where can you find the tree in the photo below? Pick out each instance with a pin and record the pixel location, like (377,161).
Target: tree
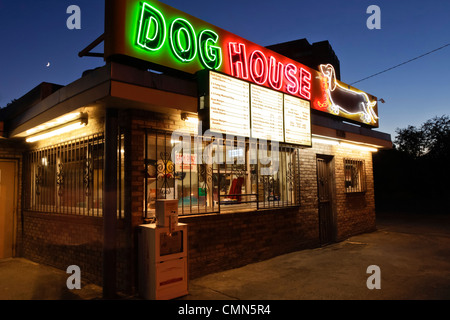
(411,141)
(436,135)
(416,174)
(431,140)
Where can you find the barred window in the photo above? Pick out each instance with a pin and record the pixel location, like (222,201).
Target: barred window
(238,178)
(354,174)
(68,178)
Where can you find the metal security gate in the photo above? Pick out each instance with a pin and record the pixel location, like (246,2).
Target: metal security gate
(324,189)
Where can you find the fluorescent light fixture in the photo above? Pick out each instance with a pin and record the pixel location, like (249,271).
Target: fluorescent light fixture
(325,141)
(358,147)
(64,129)
(192,120)
(188,118)
(57,122)
(334,142)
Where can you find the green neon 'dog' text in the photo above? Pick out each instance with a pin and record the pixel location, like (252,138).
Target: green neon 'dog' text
(152,34)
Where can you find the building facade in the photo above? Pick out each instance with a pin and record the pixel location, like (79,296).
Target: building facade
(91,159)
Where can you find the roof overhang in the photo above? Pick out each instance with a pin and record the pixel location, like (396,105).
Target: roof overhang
(335,130)
(112,86)
(125,87)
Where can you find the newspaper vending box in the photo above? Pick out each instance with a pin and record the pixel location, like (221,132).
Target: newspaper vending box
(163,256)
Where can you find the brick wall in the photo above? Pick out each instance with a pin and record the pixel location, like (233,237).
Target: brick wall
(64,240)
(355,211)
(231,240)
(61,241)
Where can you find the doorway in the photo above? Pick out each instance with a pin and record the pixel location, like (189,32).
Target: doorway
(8,202)
(325,197)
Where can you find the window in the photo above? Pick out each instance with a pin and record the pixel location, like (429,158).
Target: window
(222,175)
(68,178)
(354,175)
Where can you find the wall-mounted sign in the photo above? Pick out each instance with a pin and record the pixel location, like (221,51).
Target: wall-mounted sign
(238,108)
(342,100)
(154,32)
(297,121)
(229,105)
(185,162)
(267,114)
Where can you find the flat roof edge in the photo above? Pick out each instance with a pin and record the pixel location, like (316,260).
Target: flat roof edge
(342,127)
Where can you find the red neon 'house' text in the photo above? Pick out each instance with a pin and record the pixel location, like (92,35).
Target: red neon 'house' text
(290,78)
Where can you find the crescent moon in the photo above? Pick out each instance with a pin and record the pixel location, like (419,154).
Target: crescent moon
(48,64)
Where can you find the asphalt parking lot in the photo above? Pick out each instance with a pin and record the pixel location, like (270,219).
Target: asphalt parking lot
(412,252)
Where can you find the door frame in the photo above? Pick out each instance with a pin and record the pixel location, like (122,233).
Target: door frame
(330,168)
(16,163)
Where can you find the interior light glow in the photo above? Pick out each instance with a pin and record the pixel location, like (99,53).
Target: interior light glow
(62,130)
(358,147)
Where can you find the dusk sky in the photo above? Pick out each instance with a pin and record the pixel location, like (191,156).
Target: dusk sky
(34,33)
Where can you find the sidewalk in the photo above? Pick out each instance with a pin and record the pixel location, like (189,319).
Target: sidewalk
(413,253)
(21,279)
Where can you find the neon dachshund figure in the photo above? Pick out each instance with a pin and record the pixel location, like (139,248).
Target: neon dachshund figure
(346,100)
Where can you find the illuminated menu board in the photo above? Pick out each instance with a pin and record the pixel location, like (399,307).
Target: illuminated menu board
(239,108)
(297,120)
(229,105)
(267,114)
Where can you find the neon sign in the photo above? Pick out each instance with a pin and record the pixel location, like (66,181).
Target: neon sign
(259,66)
(210,55)
(350,102)
(154,32)
(265,71)
(238,55)
(152,29)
